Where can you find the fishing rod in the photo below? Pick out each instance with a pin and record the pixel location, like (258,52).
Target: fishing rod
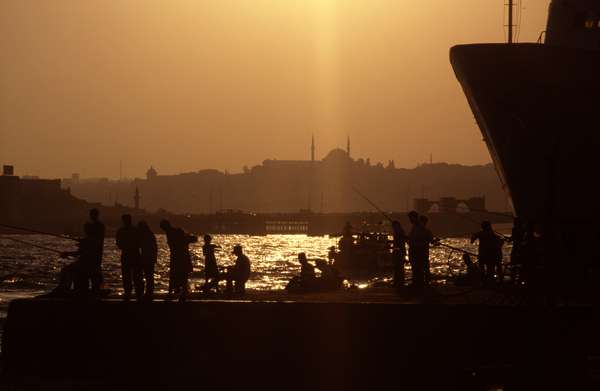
(390,219)
(505,237)
(33,245)
(37,232)
(372,204)
(491,213)
(439,243)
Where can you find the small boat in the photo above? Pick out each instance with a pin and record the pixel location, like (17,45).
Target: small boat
(363,255)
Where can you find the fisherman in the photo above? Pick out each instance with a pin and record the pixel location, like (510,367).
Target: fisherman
(182,262)
(307,271)
(238,274)
(211,270)
(128,241)
(419,239)
(424,220)
(398,253)
(97,235)
(75,276)
(516,238)
(531,256)
(473,275)
(149,254)
(490,251)
(306,281)
(330,277)
(346,245)
(347,240)
(171,234)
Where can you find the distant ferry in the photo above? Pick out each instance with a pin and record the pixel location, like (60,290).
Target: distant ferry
(538,108)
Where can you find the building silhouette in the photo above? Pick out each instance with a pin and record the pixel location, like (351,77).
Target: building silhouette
(292,185)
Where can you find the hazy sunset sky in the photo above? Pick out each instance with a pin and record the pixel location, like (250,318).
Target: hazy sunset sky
(190,84)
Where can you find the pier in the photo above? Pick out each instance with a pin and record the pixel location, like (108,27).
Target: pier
(350,340)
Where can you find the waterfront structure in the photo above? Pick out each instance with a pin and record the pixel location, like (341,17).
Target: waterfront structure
(291,185)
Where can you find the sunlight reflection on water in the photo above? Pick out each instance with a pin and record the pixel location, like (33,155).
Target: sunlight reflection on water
(27,269)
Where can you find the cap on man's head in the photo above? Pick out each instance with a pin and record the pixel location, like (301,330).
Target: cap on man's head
(237,249)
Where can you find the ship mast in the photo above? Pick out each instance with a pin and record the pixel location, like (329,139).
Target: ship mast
(510,21)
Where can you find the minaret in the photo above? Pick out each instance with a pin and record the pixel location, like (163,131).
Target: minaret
(348,146)
(312,149)
(136,198)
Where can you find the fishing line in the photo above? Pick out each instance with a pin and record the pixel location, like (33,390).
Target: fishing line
(33,244)
(37,232)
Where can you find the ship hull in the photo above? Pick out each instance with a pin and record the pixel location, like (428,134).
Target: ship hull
(538,109)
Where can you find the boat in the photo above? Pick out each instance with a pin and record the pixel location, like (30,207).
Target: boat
(363,255)
(536,105)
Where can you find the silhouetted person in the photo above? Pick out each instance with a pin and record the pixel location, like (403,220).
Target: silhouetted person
(128,241)
(516,238)
(424,220)
(346,242)
(307,271)
(75,277)
(419,239)
(238,274)
(531,257)
(149,255)
(346,246)
(490,251)
(181,261)
(97,235)
(170,233)
(330,277)
(307,279)
(211,269)
(398,253)
(472,277)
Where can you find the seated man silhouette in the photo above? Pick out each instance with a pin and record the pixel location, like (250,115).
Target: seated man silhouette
(473,275)
(330,277)
(306,281)
(75,277)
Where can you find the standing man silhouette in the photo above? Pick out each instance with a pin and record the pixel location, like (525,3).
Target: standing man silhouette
(180,265)
(239,273)
(419,239)
(149,253)
(128,241)
(211,270)
(96,230)
(490,252)
(398,253)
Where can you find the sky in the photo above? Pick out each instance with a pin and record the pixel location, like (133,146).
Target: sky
(185,85)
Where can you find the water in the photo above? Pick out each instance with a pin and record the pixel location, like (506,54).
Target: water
(26,271)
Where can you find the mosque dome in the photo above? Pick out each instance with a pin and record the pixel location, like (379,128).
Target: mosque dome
(337,155)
